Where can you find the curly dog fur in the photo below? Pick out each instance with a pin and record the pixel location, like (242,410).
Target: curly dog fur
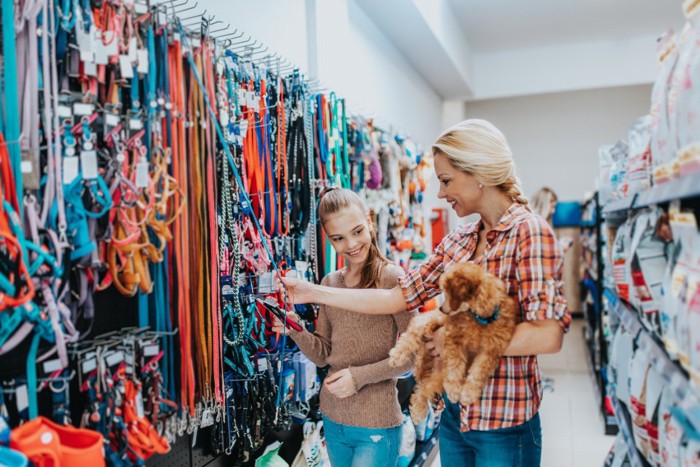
(472,350)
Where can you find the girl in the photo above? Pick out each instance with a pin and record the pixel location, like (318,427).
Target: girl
(477,175)
(361,412)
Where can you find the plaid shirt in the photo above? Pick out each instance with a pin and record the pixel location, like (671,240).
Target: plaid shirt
(523,252)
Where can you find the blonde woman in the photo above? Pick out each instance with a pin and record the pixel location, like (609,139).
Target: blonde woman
(359,401)
(475,167)
(544,202)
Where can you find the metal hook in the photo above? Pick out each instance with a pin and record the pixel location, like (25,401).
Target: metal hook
(219,30)
(193,17)
(222,36)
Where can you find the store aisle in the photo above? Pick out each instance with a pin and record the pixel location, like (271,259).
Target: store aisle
(573,433)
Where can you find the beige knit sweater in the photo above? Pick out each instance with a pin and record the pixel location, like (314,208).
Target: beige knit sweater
(344,339)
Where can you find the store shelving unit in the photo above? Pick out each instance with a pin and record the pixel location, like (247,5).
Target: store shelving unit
(686,395)
(426,451)
(674,376)
(593,310)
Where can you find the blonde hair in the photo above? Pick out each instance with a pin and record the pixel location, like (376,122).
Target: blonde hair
(334,199)
(542,202)
(478,148)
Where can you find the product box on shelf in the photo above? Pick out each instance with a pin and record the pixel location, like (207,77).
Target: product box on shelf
(670,431)
(662,146)
(654,387)
(639,369)
(620,360)
(620,256)
(638,171)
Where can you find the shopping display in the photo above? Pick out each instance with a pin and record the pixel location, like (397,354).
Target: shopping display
(157,181)
(649,236)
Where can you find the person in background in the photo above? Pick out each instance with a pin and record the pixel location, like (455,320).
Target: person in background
(544,202)
(359,400)
(475,167)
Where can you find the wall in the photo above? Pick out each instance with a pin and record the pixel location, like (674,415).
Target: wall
(337,41)
(555,137)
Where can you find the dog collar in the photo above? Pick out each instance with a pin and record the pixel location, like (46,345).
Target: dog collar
(486,321)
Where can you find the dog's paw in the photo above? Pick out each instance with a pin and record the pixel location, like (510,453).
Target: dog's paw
(397,358)
(418,413)
(470,395)
(453,391)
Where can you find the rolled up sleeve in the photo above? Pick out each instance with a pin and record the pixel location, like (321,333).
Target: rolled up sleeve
(422,284)
(539,274)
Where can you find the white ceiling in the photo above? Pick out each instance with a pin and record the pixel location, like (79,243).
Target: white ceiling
(484,49)
(497,25)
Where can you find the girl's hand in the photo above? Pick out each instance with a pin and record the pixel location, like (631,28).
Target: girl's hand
(435,344)
(341,384)
(298,291)
(278,326)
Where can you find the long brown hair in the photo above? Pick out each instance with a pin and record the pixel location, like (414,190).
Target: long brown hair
(336,199)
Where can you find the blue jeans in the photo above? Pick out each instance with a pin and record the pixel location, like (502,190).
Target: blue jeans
(517,446)
(351,446)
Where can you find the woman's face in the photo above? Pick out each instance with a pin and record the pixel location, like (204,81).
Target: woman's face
(349,232)
(460,189)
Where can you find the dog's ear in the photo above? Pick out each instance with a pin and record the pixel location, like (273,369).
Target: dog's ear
(460,287)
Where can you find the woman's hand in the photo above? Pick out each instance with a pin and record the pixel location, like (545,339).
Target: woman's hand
(298,291)
(436,342)
(278,326)
(341,384)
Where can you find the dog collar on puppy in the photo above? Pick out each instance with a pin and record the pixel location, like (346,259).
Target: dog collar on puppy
(486,321)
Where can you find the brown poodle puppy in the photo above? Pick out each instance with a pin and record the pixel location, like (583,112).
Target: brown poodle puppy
(479,319)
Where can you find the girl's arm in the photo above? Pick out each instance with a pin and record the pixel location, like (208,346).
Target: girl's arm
(381,370)
(316,346)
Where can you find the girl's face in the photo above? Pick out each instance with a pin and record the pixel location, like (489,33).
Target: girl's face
(460,189)
(349,232)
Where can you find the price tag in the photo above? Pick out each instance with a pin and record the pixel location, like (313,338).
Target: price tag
(115,358)
(151,350)
(207,419)
(70,169)
(142,174)
(88,162)
(88,366)
(262,364)
(51,366)
(133,47)
(82,109)
(139,406)
(112,120)
(142,58)
(140,8)
(135,124)
(64,111)
(125,66)
(22,398)
(90,67)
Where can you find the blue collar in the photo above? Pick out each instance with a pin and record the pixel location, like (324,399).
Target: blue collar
(486,321)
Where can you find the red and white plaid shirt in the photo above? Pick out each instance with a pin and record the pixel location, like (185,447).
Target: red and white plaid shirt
(523,252)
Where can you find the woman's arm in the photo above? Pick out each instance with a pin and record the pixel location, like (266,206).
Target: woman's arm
(535,338)
(368,301)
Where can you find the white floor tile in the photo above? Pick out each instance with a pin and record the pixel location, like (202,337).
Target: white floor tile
(556,458)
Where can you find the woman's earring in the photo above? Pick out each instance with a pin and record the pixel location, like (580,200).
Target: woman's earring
(481,186)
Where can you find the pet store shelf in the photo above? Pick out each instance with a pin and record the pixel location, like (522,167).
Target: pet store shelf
(687,398)
(624,421)
(426,451)
(682,188)
(611,425)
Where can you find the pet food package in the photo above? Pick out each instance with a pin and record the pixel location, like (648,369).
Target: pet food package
(620,360)
(620,258)
(407,448)
(618,170)
(605,162)
(654,388)
(424,430)
(639,159)
(639,369)
(686,81)
(662,152)
(308,383)
(647,267)
(690,453)
(670,431)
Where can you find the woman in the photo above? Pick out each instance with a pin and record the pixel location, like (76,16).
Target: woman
(477,175)
(544,202)
(359,403)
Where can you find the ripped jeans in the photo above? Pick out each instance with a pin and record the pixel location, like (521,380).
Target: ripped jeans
(351,446)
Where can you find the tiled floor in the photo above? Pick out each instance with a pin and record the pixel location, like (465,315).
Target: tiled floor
(572,427)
